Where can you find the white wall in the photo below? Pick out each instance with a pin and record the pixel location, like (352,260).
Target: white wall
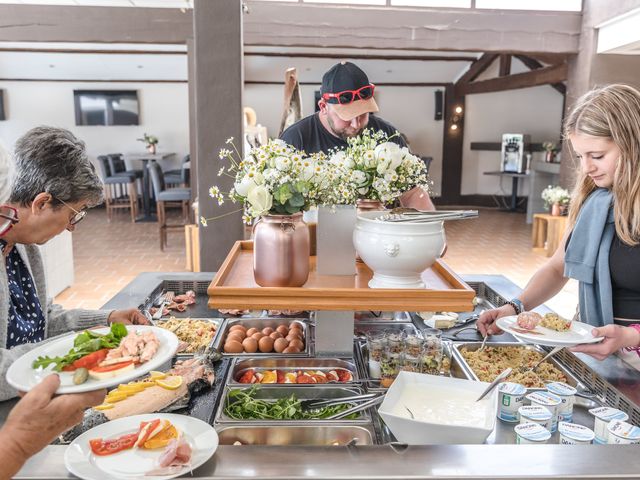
(164,112)
(536,111)
(409,109)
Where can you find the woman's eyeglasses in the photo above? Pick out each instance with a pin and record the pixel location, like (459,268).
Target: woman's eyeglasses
(8,218)
(348,96)
(78,215)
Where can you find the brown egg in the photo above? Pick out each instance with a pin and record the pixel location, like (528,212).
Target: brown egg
(291,349)
(233,347)
(265,344)
(295,325)
(238,333)
(234,336)
(257,335)
(267,330)
(293,336)
(238,327)
(251,331)
(275,335)
(280,344)
(250,345)
(299,344)
(283,329)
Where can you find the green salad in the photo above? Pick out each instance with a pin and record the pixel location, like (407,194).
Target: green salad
(85,343)
(242,405)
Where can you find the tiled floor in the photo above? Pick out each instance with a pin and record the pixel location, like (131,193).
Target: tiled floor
(109,255)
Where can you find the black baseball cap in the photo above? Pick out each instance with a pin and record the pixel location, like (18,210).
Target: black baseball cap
(347,76)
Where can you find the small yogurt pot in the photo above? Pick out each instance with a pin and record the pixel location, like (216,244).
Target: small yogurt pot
(622,433)
(567,394)
(547,400)
(604,415)
(574,434)
(511,399)
(531,433)
(535,414)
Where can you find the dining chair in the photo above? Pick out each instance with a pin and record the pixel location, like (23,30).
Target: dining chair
(120,191)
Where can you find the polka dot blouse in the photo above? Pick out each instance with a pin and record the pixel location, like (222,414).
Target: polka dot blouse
(26,320)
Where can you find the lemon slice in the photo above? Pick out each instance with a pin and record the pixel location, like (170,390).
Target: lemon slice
(104,406)
(155,375)
(171,382)
(146,384)
(131,388)
(116,396)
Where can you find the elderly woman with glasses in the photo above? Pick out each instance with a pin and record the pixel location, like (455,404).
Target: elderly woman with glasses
(53,186)
(41,415)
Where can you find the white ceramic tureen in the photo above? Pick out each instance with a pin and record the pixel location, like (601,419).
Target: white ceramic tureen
(397,252)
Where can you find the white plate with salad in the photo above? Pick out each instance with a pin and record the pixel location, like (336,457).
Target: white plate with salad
(95,359)
(157,446)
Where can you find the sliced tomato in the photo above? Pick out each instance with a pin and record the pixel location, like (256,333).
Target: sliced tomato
(304,378)
(319,378)
(148,428)
(344,375)
(247,377)
(332,376)
(280,376)
(110,368)
(108,447)
(88,361)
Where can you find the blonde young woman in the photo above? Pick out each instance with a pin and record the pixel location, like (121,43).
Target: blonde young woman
(602,247)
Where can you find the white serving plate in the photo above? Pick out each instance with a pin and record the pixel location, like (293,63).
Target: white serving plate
(419,432)
(578,333)
(134,463)
(23,377)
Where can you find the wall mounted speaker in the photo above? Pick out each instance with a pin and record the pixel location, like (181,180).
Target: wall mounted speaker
(439,104)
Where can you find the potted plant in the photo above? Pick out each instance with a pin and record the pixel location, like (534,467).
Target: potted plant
(556,199)
(551,149)
(274,183)
(150,141)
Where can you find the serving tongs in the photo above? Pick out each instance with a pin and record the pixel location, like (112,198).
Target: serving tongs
(404,214)
(313,404)
(358,408)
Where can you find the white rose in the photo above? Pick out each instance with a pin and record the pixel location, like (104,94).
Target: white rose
(395,160)
(338,158)
(248,183)
(358,177)
(349,163)
(260,200)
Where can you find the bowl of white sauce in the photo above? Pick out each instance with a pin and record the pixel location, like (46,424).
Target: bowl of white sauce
(444,410)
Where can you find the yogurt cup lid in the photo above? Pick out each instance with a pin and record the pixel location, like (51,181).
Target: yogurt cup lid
(607,414)
(533,432)
(560,388)
(576,432)
(535,412)
(624,430)
(512,388)
(544,398)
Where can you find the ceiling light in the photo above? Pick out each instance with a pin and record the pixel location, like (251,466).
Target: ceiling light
(454,127)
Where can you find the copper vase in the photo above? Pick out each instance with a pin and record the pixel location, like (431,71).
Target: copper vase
(367,205)
(281,251)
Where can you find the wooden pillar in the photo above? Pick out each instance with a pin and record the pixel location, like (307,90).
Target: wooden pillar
(193,144)
(219,79)
(452,146)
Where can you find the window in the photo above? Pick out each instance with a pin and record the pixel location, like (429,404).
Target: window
(432,3)
(552,5)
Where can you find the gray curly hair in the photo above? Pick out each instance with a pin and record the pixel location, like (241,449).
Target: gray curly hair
(53,160)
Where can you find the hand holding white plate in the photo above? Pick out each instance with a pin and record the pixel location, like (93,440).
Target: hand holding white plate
(22,376)
(135,463)
(577,334)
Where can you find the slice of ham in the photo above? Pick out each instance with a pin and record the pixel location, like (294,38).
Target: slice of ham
(177,453)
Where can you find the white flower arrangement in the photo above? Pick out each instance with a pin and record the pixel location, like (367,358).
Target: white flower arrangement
(555,194)
(271,179)
(372,167)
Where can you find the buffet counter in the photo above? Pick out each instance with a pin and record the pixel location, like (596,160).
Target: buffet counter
(610,380)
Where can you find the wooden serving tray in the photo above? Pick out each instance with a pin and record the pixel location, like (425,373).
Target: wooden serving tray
(234,287)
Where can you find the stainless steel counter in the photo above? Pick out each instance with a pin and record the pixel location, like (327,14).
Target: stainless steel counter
(402,462)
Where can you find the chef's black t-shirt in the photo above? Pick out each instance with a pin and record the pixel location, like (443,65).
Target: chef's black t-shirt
(310,135)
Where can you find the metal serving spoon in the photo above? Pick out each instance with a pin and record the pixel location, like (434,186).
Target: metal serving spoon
(495,383)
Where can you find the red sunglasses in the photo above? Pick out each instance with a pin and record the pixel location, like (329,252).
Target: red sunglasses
(8,218)
(348,96)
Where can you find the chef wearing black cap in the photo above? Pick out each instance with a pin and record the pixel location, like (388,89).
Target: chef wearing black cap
(345,106)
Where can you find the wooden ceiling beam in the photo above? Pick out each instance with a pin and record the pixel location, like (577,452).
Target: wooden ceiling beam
(542,76)
(476,68)
(505,65)
(533,64)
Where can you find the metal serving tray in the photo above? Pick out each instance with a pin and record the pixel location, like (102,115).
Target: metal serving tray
(216,321)
(260,323)
(276,392)
(473,346)
(241,365)
(323,435)
(361,329)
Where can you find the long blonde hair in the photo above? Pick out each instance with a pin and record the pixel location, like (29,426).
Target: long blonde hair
(611,112)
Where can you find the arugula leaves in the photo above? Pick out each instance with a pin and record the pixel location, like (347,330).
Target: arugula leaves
(85,343)
(242,405)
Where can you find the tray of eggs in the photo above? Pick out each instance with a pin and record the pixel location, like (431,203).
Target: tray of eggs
(265,337)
